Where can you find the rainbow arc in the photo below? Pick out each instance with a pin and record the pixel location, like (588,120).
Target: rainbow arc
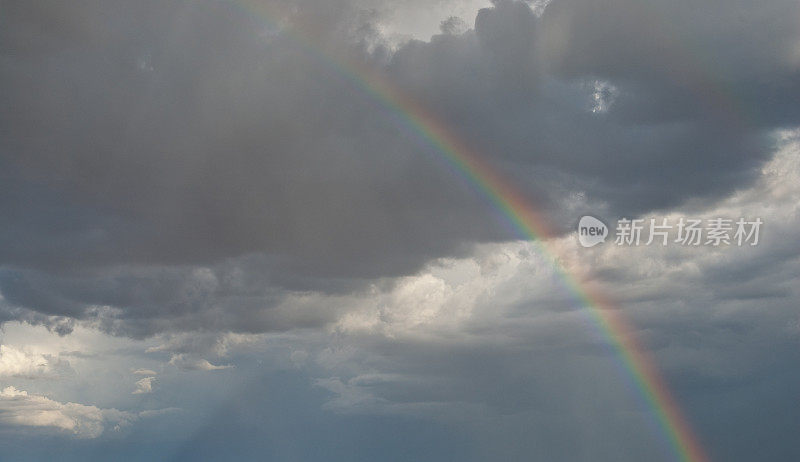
(521,213)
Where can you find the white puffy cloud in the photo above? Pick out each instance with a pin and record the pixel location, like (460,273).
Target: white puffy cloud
(144,385)
(144,372)
(402,20)
(189,363)
(21,362)
(19,408)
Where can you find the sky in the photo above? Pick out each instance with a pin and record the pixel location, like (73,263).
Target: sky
(220,240)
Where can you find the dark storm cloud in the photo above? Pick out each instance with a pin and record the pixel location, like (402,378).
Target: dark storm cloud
(683,59)
(213,140)
(143,142)
(139,301)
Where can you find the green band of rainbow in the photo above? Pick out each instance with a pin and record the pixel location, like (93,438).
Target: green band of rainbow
(528,222)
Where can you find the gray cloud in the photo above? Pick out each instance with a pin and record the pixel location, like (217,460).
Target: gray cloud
(490,348)
(487,340)
(190,174)
(683,60)
(188,166)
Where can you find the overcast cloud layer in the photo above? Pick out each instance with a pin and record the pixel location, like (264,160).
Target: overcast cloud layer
(170,158)
(189,189)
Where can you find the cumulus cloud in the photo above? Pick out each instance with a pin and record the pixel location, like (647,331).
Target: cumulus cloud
(490,338)
(189,363)
(19,408)
(185,172)
(144,372)
(144,385)
(16,362)
(193,162)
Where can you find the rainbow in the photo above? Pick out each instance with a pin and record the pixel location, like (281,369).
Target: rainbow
(533,226)
(523,216)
